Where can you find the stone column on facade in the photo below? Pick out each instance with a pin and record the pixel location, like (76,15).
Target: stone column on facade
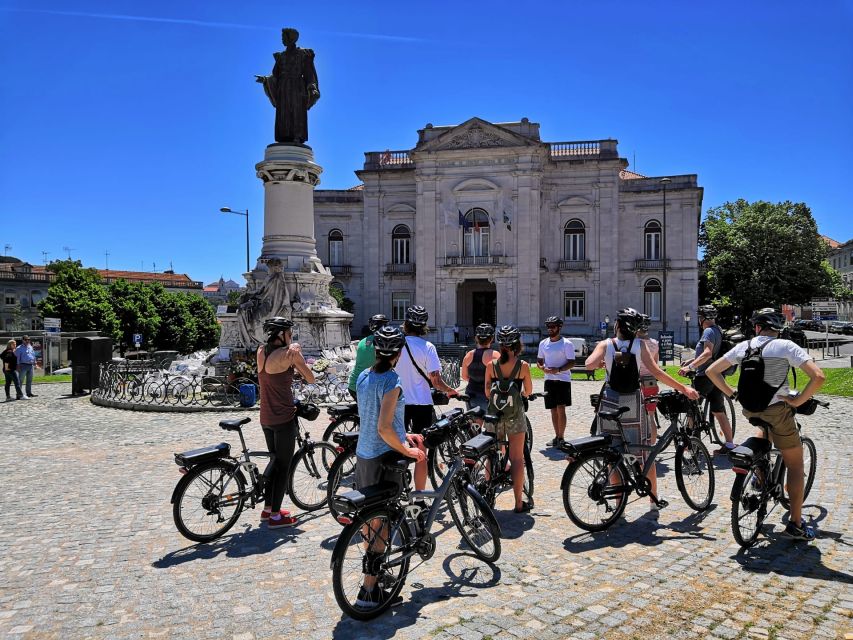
(426,230)
(527,235)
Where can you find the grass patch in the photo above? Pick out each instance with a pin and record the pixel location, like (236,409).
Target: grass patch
(537,374)
(48,379)
(839,382)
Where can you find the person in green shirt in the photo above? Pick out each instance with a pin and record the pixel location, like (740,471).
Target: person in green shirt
(365,354)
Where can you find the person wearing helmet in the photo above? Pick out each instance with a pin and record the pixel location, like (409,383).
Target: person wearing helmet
(473,369)
(364,352)
(556,357)
(507,383)
(779,356)
(382,436)
(708,349)
(621,358)
(420,372)
(277,360)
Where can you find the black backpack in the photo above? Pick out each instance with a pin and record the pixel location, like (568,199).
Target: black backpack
(753,392)
(624,374)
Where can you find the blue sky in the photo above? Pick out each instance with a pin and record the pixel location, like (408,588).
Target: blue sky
(127,125)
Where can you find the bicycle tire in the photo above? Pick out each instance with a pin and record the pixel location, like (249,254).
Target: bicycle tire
(475,520)
(352,538)
(308,477)
(747,499)
(528,440)
(219,474)
(338,471)
(714,432)
(600,469)
(694,461)
(527,489)
(343,424)
(809,468)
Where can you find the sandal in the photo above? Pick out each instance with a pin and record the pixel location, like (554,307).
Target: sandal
(524,508)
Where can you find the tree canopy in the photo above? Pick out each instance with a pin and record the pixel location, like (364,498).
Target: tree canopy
(78,297)
(763,254)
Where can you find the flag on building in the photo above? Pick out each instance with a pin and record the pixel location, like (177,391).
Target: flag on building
(463,222)
(507,221)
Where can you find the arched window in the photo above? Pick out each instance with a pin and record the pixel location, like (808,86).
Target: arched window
(574,241)
(652,237)
(336,247)
(476,233)
(651,298)
(401,241)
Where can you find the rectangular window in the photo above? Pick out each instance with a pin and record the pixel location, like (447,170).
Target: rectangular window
(336,252)
(401,251)
(400,301)
(574,246)
(574,307)
(477,242)
(652,304)
(653,248)
(10,297)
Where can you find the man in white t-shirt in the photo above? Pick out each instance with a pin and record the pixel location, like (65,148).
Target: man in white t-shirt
(779,355)
(420,372)
(556,357)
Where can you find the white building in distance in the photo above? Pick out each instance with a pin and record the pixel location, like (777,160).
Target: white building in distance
(484,222)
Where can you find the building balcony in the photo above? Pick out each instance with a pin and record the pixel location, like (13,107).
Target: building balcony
(474,261)
(395,269)
(340,269)
(584,150)
(382,160)
(25,276)
(651,265)
(573,265)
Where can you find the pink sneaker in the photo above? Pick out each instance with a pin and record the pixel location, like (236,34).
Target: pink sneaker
(265,515)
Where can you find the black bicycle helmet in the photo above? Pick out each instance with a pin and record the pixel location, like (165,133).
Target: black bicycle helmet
(274,326)
(417,316)
(508,335)
(707,311)
(388,341)
(629,319)
(645,322)
(554,320)
(377,321)
(484,331)
(769,318)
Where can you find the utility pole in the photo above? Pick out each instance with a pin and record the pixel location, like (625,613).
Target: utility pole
(6,249)
(44,255)
(107,256)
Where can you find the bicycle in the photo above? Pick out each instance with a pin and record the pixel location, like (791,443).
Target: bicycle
(342,471)
(604,472)
(343,419)
(386,525)
(760,478)
(705,422)
(213,492)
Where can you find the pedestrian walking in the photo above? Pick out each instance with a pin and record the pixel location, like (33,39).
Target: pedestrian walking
(556,357)
(26,364)
(455,334)
(10,370)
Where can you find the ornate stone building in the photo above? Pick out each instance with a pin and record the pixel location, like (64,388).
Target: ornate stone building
(486,222)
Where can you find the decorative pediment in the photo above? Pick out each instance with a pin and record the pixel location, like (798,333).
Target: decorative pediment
(574,201)
(475,185)
(476,134)
(401,207)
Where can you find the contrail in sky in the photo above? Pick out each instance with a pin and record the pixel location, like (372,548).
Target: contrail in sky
(204,23)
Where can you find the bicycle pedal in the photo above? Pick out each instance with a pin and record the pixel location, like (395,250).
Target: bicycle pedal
(662,504)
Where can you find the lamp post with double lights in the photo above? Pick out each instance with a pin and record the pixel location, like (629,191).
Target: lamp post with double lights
(241,213)
(606,326)
(664,182)
(686,328)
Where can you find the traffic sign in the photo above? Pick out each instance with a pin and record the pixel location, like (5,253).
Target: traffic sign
(52,323)
(137,340)
(602,325)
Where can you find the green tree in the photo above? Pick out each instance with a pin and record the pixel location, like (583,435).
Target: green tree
(233,298)
(135,307)
(78,297)
(763,254)
(206,326)
(343,302)
(839,290)
(177,330)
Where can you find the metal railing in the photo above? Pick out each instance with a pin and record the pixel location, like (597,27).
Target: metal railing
(340,269)
(388,160)
(400,269)
(651,265)
(573,265)
(473,261)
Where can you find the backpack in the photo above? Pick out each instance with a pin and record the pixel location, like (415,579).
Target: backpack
(505,398)
(727,343)
(624,374)
(753,392)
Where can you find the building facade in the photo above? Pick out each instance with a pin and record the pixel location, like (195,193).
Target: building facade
(841,259)
(484,222)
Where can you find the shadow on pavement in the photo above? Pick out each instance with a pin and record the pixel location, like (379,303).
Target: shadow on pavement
(464,571)
(513,525)
(643,531)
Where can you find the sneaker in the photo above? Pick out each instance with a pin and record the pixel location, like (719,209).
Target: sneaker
(9,399)
(265,515)
(371,599)
(284,521)
(557,442)
(33,395)
(24,398)
(724,450)
(803,532)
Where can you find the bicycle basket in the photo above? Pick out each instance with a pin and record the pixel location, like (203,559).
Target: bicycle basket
(307,410)
(672,403)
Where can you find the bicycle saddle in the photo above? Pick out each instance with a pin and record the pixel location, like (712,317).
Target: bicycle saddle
(761,424)
(341,409)
(491,419)
(613,415)
(346,439)
(233,425)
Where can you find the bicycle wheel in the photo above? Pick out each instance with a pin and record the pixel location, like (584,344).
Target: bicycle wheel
(375,543)
(439,460)
(475,520)
(749,507)
(202,509)
(809,469)
(343,424)
(309,476)
(527,489)
(590,498)
(528,441)
(714,429)
(341,478)
(694,474)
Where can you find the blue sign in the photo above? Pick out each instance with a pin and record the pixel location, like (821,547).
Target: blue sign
(825,317)
(602,325)
(137,339)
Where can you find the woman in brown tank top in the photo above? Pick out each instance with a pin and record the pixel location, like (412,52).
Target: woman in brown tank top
(276,361)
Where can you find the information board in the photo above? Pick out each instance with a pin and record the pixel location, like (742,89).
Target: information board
(666,345)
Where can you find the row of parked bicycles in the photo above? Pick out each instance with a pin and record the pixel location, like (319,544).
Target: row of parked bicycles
(388,525)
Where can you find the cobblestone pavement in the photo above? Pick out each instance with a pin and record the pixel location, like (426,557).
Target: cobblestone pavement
(88,549)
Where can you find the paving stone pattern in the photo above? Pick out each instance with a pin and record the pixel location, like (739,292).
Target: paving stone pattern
(88,549)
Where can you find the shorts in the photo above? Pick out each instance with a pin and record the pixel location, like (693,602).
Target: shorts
(505,428)
(783,433)
(559,394)
(708,389)
(371,471)
(478,400)
(418,417)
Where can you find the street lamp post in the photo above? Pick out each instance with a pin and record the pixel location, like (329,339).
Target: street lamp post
(246,214)
(686,328)
(664,182)
(606,326)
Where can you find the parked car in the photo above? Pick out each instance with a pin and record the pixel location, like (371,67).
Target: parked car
(847,329)
(837,327)
(804,324)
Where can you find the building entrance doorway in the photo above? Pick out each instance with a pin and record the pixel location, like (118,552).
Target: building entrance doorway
(476,302)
